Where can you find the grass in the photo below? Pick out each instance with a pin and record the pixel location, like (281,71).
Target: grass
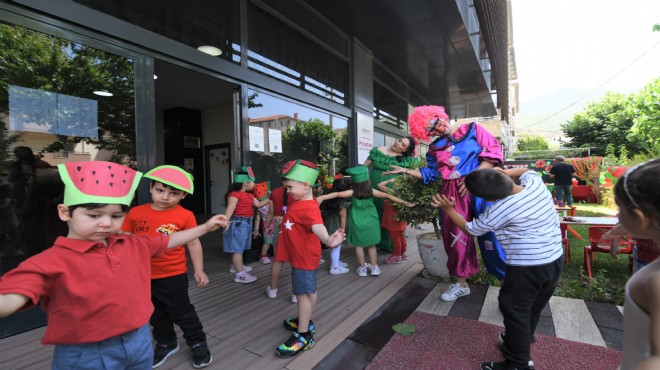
(609,275)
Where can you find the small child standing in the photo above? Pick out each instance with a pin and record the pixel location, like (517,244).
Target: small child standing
(169,278)
(335,216)
(363,224)
(240,211)
(261,192)
(104,272)
(301,230)
(524,220)
(396,229)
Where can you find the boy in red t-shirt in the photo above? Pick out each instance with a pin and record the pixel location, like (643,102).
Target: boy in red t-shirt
(300,232)
(94,283)
(169,278)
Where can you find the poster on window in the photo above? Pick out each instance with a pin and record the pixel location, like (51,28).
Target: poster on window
(365,136)
(256,137)
(274,141)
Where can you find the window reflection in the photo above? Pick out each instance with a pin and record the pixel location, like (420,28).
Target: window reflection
(283,131)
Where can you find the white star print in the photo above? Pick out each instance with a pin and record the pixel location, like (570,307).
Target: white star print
(288,224)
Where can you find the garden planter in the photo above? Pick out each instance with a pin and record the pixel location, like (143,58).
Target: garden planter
(432,253)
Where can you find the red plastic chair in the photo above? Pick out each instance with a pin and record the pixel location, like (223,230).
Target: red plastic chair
(595,234)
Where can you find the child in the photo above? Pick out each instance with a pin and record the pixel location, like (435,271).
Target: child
(396,229)
(169,278)
(300,233)
(335,218)
(524,220)
(240,211)
(261,192)
(638,197)
(363,225)
(93,284)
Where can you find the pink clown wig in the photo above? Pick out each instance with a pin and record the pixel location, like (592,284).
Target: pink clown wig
(419,119)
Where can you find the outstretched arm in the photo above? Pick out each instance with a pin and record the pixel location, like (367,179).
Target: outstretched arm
(380,194)
(447,205)
(10,303)
(185,236)
(382,186)
(337,194)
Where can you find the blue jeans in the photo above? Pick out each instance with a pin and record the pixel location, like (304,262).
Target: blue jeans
(130,350)
(559,191)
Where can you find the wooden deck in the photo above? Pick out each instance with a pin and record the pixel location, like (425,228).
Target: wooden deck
(243,326)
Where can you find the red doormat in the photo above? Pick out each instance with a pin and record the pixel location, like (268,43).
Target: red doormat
(444,342)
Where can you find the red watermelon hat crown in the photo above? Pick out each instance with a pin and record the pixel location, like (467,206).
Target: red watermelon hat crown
(261,190)
(173,176)
(98,182)
(301,170)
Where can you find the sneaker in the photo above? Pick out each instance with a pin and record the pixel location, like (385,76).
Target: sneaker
(361,270)
(504,365)
(338,270)
(162,352)
(200,355)
(294,299)
(294,345)
(454,292)
(245,278)
(393,259)
(343,264)
(232,269)
(322,261)
(271,293)
(264,260)
(292,325)
(374,270)
(404,256)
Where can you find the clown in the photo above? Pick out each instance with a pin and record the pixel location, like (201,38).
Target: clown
(457,151)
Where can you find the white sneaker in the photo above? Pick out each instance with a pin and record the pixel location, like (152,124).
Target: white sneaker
(246,268)
(343,264)
(374,270)
(454,292)
(322,261)
(361,271)
(244,278)
(271,293)
(338,270)
(294,299)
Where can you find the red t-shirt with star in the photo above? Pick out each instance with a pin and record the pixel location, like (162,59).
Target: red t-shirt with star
(297,242)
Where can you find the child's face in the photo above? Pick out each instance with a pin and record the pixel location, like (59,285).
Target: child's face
(164,197)
(248,186)
(298,190)
(93,224)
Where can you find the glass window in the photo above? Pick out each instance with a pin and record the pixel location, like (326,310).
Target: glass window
(60,101)
(293,131)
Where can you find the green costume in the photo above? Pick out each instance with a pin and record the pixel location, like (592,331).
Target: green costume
(363,225)
(381,162)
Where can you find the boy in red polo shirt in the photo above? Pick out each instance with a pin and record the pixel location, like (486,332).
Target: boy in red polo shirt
(300,232)
(169,278)
(94,284)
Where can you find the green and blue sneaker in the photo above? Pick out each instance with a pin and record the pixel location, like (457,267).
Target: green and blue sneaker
(292,324)
(294,345)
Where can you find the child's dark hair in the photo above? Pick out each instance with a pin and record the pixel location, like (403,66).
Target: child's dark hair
(489,184)
(234,186)
(90,206)
(410,151)
(362,190)
(154,182)
(285,198)
(638,189)
(334,205)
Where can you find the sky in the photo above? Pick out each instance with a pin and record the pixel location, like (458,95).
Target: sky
(583,44)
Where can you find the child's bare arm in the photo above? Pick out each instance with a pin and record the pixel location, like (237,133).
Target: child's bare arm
(260,203)
(337,194)
(382,186)
(10,303)
(197,258)
(447,205)
(185,236)
(515,172)
(330,240)
(653,291)
(380,194)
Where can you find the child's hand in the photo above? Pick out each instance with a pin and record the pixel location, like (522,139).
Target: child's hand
(216,222)
(441,201)
(336,238)
(202,279)
(408,204)
(255,234)
(614,236)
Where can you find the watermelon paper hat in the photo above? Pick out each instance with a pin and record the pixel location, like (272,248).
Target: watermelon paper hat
(246,175)
(261,190)
(98,182)
(301,170)
(172,176)
(359,173)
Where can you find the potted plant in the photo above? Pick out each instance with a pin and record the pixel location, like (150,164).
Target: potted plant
(431,249)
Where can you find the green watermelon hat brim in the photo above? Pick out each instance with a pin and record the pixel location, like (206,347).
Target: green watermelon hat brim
(98,182)
(173,176)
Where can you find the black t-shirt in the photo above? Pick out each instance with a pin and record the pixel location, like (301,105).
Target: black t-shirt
(563,174)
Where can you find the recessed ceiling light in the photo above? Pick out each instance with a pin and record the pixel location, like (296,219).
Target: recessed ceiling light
(210,50)
(103,93)
(155,77)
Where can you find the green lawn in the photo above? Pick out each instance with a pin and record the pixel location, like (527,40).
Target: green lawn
(609,275)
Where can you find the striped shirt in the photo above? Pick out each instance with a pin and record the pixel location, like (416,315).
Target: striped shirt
(526,224)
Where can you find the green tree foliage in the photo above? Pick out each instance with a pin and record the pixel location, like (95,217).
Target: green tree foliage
(601,123)
(306,139)
(532,143)
(645,110)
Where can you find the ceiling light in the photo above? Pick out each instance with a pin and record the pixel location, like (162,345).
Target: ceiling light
(210,50)
(155,77)
(103,93)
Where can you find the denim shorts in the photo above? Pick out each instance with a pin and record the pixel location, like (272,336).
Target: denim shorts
(303,281)
(239,236)
(130,350)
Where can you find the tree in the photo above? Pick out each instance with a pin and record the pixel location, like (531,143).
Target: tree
(645,110)
(532,143)
(305,140)
(607,121)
